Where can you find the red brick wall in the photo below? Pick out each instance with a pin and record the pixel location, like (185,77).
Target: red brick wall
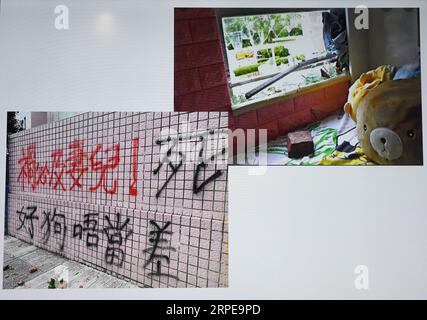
(201,81)
(294,113)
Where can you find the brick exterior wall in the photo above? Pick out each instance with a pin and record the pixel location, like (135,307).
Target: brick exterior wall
(90,188)
(201,81)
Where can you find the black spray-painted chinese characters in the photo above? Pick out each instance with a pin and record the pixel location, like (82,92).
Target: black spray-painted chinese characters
(174,156)
(89,227)
(57,221)
(54,223)
(160,244)
(117,234)
(26,218)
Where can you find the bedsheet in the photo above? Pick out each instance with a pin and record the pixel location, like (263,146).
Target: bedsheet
(335,143)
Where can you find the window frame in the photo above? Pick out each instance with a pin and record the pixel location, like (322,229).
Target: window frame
(253,105)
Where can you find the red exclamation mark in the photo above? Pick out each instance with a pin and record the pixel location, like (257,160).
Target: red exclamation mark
(132,189)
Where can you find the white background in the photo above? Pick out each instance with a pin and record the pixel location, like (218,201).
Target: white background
(295,232)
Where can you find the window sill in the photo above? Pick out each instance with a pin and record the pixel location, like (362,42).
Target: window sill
(253,105)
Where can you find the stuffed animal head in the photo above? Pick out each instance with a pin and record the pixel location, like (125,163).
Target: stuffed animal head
(389,123)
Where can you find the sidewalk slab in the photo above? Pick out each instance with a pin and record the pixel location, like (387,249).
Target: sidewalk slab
(20,257)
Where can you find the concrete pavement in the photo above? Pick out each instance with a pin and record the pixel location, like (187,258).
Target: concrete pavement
(27,266)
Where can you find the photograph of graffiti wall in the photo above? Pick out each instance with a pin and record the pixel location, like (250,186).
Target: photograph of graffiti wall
(141,196)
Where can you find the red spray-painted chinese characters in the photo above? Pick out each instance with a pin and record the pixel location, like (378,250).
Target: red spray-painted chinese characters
(76,163)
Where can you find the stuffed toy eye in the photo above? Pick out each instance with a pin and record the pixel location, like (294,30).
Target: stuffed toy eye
(365,127)
(410,133)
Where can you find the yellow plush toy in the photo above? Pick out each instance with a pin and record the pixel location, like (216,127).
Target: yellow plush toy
(389,123)
(366,82)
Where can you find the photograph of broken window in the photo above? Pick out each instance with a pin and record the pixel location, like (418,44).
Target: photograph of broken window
(276,54)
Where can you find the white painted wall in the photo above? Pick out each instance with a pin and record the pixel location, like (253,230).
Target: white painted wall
(115,54)
(392,38)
